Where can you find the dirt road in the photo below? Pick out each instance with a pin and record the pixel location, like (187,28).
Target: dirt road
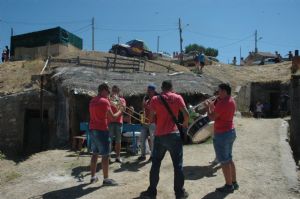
(265,169)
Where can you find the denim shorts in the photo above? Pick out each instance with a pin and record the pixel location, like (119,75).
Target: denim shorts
(100,142)
(115,131)
(223,143)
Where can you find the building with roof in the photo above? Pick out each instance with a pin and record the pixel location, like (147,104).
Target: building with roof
(44,43)
(254,58)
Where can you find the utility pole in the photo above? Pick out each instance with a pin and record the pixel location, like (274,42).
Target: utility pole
(118,40)
(255,50)
(93,34)
(181,40)
(157,49)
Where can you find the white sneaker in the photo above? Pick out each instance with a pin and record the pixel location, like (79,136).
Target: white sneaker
(94,179)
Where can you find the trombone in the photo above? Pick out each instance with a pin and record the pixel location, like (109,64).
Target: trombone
(116,102)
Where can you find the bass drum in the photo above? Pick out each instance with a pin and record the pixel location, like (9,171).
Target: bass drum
(200,130)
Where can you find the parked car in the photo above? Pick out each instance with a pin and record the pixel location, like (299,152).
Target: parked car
(133,48)
(264,61)
(163,55)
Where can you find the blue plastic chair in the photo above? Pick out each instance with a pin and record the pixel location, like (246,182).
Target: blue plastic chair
(84,126)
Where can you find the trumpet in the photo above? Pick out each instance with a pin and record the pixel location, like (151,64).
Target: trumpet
(202,105)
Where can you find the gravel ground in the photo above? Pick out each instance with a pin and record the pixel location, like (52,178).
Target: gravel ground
(265,169)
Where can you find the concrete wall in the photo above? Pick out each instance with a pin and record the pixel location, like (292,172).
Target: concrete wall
(22,53)
(12,118)
(295,115)
(243,98)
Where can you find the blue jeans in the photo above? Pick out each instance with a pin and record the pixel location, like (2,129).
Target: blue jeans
(115,131)
(144,135)
(223,145)
(162,144)
(100,142)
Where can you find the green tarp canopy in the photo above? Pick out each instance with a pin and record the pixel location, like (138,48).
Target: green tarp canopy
(56,35)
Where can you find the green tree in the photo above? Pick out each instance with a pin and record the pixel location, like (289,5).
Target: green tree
(211,52)
(194,47)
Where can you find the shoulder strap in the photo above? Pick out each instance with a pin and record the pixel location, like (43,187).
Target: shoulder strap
(169,110)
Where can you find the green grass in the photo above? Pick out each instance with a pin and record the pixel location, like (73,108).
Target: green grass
(10,176)
(2,156)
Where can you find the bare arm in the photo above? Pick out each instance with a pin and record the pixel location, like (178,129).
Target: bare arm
(210,107)
(115,115)
(186,117)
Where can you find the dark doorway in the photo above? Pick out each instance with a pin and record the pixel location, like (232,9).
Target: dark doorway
(274,104)
(35,135)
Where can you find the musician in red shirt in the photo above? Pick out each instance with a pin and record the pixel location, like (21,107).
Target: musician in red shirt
(149,126)
(167,138)
(222,112)
(100,109)
(115,125)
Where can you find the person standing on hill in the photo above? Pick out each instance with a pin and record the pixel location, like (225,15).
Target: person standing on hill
(222,112)
(100,109)
(3,56)
(6,53)
(200,62)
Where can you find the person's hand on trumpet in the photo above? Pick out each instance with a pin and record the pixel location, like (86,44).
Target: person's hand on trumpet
(209,104)
(121,107)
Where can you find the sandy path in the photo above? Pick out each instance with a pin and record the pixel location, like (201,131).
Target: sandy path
(265,169)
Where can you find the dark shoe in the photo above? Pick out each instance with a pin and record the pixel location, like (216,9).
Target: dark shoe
(109,182)
(226,189)
(94,179)
(119,160)
(142,158)
(235,185)
(214,162)
(147,195)
(183,195)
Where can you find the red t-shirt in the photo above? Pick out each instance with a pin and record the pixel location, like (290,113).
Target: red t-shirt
(164,121)
(224,110)
(147,109)
(114,110)
(98,113)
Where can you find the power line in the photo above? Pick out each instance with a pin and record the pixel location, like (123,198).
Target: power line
(44,23)
(281,45)
(82,28)
(230,44)
(209,35)
(136,30)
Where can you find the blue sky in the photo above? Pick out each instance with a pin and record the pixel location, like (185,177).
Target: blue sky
(226,25)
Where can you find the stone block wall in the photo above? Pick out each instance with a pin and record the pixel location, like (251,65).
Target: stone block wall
(295,115)
(12,118)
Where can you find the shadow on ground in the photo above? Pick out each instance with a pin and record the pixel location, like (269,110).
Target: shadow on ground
(131,166)
(70,193)
(82,171)
(215,195)
(198,172)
